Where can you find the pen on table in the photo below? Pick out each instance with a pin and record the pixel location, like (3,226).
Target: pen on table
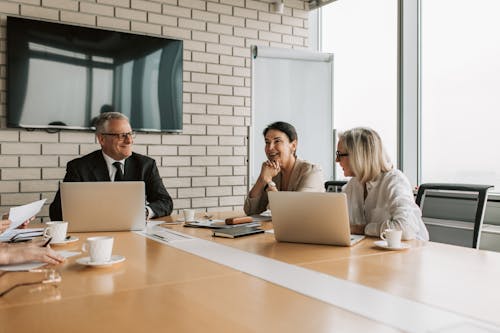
(47,242)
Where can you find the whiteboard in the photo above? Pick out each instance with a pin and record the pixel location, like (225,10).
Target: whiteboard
(297,87)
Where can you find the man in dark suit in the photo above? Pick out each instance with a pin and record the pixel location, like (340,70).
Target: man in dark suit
(116,161)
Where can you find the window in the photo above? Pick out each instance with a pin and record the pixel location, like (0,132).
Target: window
(460,85)
(362,35)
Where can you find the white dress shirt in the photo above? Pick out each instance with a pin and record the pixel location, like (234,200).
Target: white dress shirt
(390,197)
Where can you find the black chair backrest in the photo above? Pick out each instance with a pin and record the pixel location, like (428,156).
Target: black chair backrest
(481,190)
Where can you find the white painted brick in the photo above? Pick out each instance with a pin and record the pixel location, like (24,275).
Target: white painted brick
(194,45)
(207,78)
(16,199)
(269,17)
(20,173)
(219,171)
(40,12)
(194,67)
(167,172)
(293,21)
(176,11)
(242,91)
(53,173)
(220,28)
(59,148)
(227,120)
(9,161)
(9,135)
(219,130)
(282,29)
(182,203)
(119,3)
(195,87)
(240,190)
(304,14)
(176,33)
(205,140)
(231,40)
(93,8)
(231,160)
(178,182)
(149,6)
(233,61)
(63,160)
(204,202)
(259,5)
(220,109)
(175,139)
(231,80)
(270,36)
(113,23)
(219,49)
(9,186)
(232,180)
(219,69)
(234,200)
(80,18)
(205,181)
(39,161)
(220,9)
(232,21)
(88,148)
(239,3)
(219,191)
(205,36)
(39,186)
(231,141)
(162,19)
(196,4)
(206,57)
(195,129)
(293,40)
(300,32)
(251,42)
(240,151)
(141,149)
(205,16)
(205,119)
(244,32)
(170,2)
(205,160)
(192,171)
(195,108)
(20,148)
(232,100)
(9,8)
(151,138)
(176,161)
(75,137)
(243,12)
(219,90)
(192,24)
(220,150)
(146,27)
(240,170)
(190,192)
(256,24)
(130,14)
(162,150)
(205,98)
(240,130)
(240,71)
(192,150)
(61,4)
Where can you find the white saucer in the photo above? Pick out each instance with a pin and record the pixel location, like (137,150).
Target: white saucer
(383,244)
(114,260)
(72,239)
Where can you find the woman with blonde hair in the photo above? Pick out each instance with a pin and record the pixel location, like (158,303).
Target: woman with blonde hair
(378,195)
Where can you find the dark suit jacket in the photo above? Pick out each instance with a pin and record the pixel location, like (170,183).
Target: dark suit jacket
(92,168)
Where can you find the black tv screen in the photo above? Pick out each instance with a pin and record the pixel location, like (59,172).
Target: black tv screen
(63,76)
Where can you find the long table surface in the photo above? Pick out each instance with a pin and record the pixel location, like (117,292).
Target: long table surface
(161,288)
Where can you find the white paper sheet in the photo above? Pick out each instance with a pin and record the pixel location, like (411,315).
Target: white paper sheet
(22,213)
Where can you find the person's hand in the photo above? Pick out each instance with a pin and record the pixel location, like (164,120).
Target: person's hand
(269,170)
(24,225)
(35,251)
(4,224)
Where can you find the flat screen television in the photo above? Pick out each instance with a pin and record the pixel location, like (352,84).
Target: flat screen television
(62,76)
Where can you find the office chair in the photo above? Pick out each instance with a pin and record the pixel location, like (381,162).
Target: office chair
(482,194)
(334,185)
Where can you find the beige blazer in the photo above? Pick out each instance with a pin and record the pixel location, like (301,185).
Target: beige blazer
(306,177)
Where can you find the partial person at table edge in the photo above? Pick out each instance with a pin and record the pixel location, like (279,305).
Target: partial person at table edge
(379,196)
(115,136)
(283,170)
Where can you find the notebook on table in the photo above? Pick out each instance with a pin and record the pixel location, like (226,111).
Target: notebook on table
(310,217)
(103,206)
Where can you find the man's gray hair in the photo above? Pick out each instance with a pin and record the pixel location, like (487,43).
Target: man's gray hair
(102,120)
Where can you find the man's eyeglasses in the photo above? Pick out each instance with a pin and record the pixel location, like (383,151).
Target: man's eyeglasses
(121,136)
(339,155)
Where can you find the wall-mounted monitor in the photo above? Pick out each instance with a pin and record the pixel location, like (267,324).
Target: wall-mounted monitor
(62,76)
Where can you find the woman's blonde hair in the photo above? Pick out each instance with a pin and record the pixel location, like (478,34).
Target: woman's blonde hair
(367,156)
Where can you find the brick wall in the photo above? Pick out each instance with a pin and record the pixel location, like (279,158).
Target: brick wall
(206,166)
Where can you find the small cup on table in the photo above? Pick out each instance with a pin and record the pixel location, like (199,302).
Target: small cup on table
(99,248)
(57,230)
(392,237)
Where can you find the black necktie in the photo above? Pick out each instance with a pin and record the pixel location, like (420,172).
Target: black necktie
(119,173)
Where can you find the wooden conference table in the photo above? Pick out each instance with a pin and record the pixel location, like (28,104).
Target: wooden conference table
(163,289)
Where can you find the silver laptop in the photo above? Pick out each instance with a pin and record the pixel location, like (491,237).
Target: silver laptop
(103,206)
(311,217)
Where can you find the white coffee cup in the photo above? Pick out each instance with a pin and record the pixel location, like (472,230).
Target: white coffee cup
(99,248)
(392,237)
(188,215)
(56,230)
